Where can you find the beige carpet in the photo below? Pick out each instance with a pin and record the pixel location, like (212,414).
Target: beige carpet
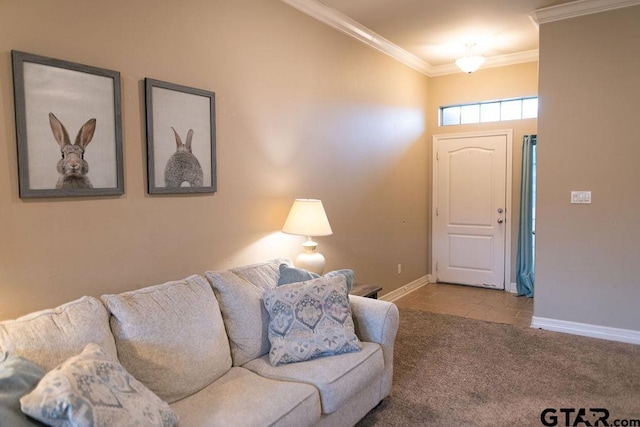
(453,371)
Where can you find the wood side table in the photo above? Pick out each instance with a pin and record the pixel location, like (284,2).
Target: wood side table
(363,290)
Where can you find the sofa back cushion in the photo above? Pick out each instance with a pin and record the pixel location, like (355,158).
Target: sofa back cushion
(171,336)
(239,292)
(264,274)
(49,337)
(244,316)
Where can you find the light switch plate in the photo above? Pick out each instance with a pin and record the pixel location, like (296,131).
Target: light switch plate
(581,197)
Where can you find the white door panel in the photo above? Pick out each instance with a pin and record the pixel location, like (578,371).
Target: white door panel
(470,215)
(471,252)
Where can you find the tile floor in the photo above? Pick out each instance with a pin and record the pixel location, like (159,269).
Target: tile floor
(467,301)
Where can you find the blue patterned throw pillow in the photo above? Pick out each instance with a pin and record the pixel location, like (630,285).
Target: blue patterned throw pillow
(310,319)
(348,275)
(290,275)
(93,389)
(294,275)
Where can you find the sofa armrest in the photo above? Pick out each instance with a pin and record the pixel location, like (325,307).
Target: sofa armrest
(377,321)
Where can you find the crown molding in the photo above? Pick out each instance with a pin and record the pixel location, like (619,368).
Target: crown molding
(343,23)
(490,62)
(578,8)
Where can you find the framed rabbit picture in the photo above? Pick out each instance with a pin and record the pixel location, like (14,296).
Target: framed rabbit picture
(181,139)
(68,126)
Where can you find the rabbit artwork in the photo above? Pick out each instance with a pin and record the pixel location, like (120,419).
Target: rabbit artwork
(73,168)
(183,166)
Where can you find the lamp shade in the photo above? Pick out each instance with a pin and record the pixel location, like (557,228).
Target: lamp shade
(307,218)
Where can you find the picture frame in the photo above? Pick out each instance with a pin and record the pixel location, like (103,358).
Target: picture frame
(55,101)
(181,139)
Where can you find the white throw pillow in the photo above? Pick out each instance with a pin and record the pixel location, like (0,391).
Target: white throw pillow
(93,389)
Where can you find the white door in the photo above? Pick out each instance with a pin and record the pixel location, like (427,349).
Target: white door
(471,197)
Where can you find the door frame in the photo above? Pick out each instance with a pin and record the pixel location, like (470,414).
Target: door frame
(508,133)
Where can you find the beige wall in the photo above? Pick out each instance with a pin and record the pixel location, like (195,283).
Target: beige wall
(485,85)
(587,258)
(302,111)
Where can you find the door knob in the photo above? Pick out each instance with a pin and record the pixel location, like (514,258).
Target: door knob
(500,220)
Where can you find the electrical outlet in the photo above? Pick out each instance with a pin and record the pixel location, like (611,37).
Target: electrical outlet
(581,197)
(399,268)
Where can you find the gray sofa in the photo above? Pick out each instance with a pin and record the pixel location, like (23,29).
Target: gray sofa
(201,345)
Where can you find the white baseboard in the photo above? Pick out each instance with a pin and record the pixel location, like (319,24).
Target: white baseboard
(584,329)
(587,330)
(406,289)
(425,280)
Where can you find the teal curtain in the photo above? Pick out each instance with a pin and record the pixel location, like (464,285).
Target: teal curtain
(526,257)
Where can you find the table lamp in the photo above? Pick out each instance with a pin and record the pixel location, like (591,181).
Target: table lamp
(307,218)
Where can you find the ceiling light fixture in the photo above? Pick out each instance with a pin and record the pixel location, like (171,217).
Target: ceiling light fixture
(470,62)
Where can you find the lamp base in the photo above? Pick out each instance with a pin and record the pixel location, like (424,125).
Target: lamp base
(310,259)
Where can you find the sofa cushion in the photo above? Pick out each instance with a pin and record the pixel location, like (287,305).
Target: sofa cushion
(239,292)
(49,337)
(264,275)
(245,318)
(171,336)
(337,378)
(18,376)
(309,320)
(241,398)
(92,389)
(290,274)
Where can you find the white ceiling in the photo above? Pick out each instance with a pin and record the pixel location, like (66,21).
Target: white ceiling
(430,35)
